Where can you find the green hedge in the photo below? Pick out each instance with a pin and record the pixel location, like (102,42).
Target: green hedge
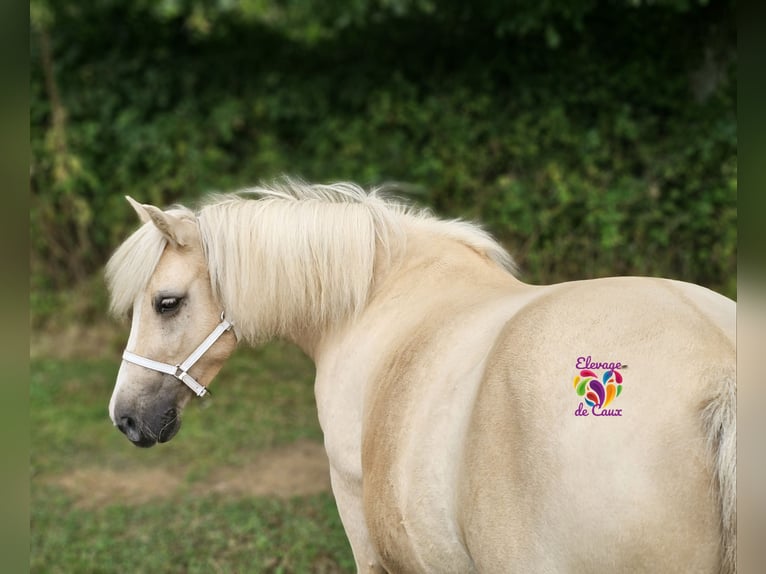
(593,138)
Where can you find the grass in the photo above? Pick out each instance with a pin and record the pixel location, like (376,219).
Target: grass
(209,534)
(262,399)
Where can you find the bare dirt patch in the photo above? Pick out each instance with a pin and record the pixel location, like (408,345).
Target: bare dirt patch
(297,469)
(98,487)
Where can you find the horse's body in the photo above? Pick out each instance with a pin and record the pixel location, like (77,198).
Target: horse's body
(456,437)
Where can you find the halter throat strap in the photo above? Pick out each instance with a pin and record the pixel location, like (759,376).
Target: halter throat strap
(181,372)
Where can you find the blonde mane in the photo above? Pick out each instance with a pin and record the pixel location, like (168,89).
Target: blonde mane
(297,255)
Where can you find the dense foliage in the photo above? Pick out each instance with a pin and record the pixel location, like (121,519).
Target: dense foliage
(592,137)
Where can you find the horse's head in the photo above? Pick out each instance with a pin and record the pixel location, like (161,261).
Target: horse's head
(174,311)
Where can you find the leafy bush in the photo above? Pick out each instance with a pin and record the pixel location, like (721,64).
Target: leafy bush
(593,138)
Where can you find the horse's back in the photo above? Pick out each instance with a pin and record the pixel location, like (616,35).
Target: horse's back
(545,489)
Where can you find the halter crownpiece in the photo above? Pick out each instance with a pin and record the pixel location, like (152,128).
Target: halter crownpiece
(181,372)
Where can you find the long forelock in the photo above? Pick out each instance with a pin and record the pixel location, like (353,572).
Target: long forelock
(132,265)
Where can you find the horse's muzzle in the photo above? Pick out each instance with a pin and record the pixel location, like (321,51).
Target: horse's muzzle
(146,434)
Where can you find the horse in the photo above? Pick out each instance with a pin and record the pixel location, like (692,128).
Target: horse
(472,422)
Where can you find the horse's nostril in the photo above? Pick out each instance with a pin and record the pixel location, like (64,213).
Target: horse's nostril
(126,424)
(134,430)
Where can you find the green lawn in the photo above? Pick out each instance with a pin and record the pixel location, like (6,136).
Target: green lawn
(262,399)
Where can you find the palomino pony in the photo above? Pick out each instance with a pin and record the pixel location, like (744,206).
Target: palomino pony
(473,423)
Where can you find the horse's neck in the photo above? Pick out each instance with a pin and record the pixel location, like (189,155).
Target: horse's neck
(435,277)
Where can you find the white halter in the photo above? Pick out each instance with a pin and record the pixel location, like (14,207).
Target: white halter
(180,372)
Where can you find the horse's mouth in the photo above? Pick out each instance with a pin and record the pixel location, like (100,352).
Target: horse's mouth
(170,425)
(144,441)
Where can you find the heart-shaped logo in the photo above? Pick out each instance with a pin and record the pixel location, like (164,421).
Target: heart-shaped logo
(598,392)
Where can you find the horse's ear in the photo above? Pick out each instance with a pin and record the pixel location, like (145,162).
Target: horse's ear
(139,209)
(173,228)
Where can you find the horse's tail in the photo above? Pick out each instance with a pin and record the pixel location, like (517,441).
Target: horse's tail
(721,430)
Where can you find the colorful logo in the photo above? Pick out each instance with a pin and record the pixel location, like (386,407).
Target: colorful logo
(598,391)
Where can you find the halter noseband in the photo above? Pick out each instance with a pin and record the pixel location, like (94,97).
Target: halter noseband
(181,372)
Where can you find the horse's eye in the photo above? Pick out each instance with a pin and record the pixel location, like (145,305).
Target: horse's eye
(166,305)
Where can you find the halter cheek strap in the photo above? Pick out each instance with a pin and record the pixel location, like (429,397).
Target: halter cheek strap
(181,372)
